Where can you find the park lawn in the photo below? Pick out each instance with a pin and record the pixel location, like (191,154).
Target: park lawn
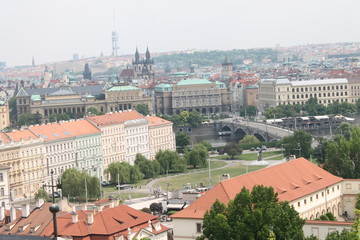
(276,158)
(177,183)
(226,157)
(124,193)
(254,156)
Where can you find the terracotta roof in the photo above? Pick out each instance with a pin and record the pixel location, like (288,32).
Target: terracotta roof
(154,121)
(51,131)
(109,221)
(115,118)
(80,127)
(19,135)
(127,73)
(291,180)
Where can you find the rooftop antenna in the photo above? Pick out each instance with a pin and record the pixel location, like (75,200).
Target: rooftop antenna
(114,38)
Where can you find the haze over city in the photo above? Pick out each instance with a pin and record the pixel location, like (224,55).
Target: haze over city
(55,30)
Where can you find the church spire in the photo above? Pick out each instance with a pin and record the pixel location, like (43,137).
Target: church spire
(137,55)
(33,61)
(147,54)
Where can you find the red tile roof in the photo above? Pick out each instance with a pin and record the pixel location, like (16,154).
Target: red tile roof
(291,180)
(19,135)
(115,118)
(127,73)
(155,121)
(80,127)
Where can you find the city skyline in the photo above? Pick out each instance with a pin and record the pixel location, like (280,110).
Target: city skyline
(54,31)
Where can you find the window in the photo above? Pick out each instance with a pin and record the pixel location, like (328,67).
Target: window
(1,177)
(198,227)
(298,204)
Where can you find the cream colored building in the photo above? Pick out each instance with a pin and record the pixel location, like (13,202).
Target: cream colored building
(4,187)
(4,115)
(275,92)
(161,134)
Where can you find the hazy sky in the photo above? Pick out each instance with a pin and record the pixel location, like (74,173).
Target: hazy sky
(54,30)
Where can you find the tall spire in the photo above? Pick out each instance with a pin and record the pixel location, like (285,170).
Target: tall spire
(137,55)
(147,54)
(114,38)
(33,61)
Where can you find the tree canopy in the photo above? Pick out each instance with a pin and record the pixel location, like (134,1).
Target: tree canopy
(249,139)
(232,149)
(182,140)
(197,156)
(298,144)
(170,161)
(253,215)
(123,172)
(73,184)
(185,118)
(148,168)
(29,119)
(143,109)
(343,155)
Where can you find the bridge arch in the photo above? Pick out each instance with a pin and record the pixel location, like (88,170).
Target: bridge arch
(260,137)
(226,129)
(239,134)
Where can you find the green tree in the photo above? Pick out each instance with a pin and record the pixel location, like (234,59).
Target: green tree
(29,119)
(73,184)
(343,235)
(253,215)
(92,111)
(13,109)
(298,144)
(232,149)
(343,156)
(123,172)
(358,202)
(195,119)
(143,109)
(182,139)
(170,161)
(249,139)
(249,111)
(208,145)
(145,166)
(59,117)
(198,156)
(345,130)
(320,150)
(42,194)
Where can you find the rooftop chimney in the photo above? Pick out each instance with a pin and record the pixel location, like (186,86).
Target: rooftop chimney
(39,202)
(12,213)
(25,210)
(2,213)
(90,218)
(74,217)
(99,207)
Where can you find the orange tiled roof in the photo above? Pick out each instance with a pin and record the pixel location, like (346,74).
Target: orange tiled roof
(154,121)
(19,135)
(115,118)
(291,180)
(51,131)
(108,222)
(80,127)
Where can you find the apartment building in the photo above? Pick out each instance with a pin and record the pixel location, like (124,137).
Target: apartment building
(275,92)
(161,135)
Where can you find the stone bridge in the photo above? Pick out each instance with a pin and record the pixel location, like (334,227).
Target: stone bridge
(262,131)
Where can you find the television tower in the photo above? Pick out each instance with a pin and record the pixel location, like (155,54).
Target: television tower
(114,38)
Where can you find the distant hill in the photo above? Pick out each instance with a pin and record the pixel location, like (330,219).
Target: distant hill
(211,58)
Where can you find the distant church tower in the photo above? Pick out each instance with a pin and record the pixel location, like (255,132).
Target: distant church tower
(227,67)
(143,68)
(87,72)
(33,62)
(114,38)
(46,77)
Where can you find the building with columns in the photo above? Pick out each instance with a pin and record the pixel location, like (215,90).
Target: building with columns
(76,100)
(199,95)
(311,190)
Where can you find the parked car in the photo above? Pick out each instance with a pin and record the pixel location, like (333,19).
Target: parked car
(257,149)
(263,147)
(252,149)
(123,187)
(104,183)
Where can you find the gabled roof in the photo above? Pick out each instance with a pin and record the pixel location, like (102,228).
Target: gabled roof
(22,93)
(80,127)
(115,118)
(49,132)
(291,180)
(21,134)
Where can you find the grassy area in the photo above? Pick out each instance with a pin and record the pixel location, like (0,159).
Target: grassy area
(177,183)
(276,158)
(248,156)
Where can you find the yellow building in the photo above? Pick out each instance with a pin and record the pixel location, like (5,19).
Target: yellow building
(161,135)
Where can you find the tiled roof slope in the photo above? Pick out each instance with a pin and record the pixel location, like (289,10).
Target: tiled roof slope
(154,121)
(291,180)
(115,118)
(107,222)
(80,127)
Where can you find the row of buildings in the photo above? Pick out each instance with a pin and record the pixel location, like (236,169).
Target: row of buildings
(35,153)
